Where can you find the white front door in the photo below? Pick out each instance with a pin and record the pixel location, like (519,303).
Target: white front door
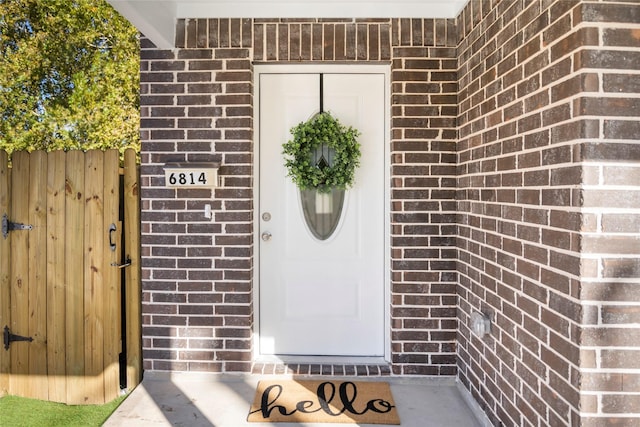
(322,297)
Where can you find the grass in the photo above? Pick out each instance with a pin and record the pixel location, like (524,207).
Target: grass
(20,411)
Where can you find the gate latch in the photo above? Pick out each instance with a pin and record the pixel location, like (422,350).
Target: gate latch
(8,226)
(126,264)
(9,338)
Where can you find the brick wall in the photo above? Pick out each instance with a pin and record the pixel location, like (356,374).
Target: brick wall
(197,273)
(423,207)
(197,105)
(548,210)
(515,191)
(610,287)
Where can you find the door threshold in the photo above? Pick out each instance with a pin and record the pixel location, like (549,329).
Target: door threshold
(321,360)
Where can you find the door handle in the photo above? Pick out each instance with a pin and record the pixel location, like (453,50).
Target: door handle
(266,236)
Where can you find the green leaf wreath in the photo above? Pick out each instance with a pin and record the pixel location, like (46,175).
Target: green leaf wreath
(321,129)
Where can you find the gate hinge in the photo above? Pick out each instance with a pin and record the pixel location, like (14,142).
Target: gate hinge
(8,226)
(9,338)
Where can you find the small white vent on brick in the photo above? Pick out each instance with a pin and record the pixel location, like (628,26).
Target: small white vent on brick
(480,324)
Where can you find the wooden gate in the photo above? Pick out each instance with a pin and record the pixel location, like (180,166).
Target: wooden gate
(62,264)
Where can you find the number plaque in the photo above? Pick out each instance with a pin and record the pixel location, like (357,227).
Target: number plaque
(191,175)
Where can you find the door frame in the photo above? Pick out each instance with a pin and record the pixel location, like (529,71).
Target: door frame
(384,69)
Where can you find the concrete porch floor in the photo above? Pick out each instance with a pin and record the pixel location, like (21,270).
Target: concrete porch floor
(223,400)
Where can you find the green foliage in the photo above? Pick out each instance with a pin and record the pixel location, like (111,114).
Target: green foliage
(20,411)
(69,76)
(308,136)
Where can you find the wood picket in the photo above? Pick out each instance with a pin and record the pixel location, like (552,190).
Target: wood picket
(133,301)
(5,262)
(61,281)
(56,303)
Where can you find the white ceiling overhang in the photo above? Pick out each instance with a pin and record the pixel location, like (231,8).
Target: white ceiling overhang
(156,19)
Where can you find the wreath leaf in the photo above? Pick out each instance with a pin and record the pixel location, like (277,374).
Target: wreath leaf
(322,129)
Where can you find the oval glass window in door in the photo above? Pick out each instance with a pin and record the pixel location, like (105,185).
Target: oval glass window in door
(322,211)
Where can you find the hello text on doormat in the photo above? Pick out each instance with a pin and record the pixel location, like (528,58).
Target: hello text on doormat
(324,402)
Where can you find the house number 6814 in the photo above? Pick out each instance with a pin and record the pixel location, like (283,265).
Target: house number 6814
(183,178)
(191,175)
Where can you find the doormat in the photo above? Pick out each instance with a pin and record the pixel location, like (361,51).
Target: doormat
(344,402)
